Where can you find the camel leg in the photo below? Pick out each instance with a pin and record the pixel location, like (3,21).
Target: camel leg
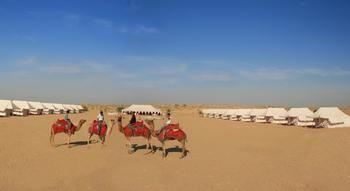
(52,139)
(183,142)
(148,146)
(164,149)
(88,140)
(128,143)
(68,141)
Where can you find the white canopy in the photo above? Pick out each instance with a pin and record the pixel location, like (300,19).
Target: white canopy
(334,116)
(243,112)
(68,107)
(258,112)
(80,107)
(5,104)
(231,112)
(48,106)
(58,106)
(303,114)
(35,105)
(20,105)
(277,113)
(142,109)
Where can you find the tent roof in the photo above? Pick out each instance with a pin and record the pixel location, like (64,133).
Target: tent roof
(20,104)
(80,107)
(48,106)
(258,112)
(276,112)
(231,112)
(333,114)
(5,104)
(141,108)
(300,112)
(243,111)
(35,105)
(58,106)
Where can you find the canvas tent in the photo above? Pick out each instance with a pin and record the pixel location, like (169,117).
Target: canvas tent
(258,115)
(142,110)
(20,108)
(48,108)
(219,112)
(300,117)
(229,112)
(5,108)
(243,114)
(36,108)
(80,108)
(276,115)
(68,107)
(331,117)
(59,109)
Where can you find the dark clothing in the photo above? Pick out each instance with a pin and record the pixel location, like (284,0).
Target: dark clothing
(100,123)
(133,119)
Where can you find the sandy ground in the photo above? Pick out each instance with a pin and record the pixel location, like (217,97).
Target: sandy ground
(224,155)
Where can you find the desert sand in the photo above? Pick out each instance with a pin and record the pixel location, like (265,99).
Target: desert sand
(224,155)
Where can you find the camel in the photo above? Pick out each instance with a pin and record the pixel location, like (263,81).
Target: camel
(138,131)
(93,129)
(60,127)
(171,132)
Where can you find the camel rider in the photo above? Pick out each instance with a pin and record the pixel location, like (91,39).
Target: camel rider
(100,120)
(133,119)
(167,122)
(69,122)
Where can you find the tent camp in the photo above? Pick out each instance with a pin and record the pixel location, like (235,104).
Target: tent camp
(36,108)
(228,114)
(300,117)
(5,108)
(59,109)
(243,114)
(20,108)
(258,115)
(48,108)
(75,108)
(219,112)
(80,108)
(69,108)
(331,117)
(276,115)
(142,110)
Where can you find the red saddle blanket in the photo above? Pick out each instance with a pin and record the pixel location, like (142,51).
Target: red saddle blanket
(136,129)
(94,128)
(61,126)
(171,132)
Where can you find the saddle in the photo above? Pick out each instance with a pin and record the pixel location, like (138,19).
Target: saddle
(173,127)
(94,127)
(135,125)
(63,124)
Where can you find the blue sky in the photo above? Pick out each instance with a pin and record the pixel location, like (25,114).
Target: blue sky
(275,52)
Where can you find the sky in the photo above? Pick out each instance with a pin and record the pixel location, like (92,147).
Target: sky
(271,52)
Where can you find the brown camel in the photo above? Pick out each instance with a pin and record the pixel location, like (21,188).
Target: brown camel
(60,127)
(141,130)
(175,133)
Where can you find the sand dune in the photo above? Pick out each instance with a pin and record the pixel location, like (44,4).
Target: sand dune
(224,155)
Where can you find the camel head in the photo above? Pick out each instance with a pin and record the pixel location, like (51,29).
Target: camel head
(81,122)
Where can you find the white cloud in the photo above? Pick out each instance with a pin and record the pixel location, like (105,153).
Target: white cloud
(211,77)
(147,29)
(283,74)
(104,22)
(29,61)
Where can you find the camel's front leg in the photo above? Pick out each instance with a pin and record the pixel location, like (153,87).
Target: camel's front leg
(164,149)
(129,146)
(88,139)
(148,146)
(183,142)
(52,140)
(68,141)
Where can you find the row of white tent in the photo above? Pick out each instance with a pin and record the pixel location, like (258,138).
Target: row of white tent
(24,108)
(142,110)
(326,117)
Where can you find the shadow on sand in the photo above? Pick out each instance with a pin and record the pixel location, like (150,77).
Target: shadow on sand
(77,143)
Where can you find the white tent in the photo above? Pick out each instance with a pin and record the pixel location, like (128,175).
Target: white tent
(80,108)
(68,107)
(20,108)
(36,108)
(219,112)
(5,108)
(48,108)
(258,115)
(300,117)
(142,110)
(75,108)
(243,114)
(276,115)
(205,112)
(228,114)
(331,117)
(59,109)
